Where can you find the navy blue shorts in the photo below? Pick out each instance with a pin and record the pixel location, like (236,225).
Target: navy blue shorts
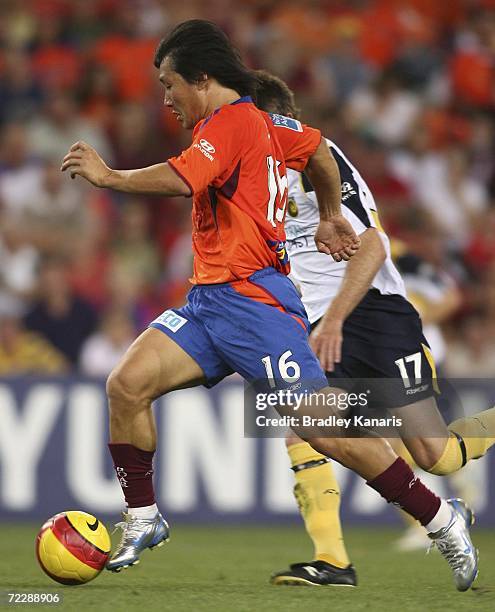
(257,327)
(385,352)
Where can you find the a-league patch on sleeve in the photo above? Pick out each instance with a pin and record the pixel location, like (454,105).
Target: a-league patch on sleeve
(286,122)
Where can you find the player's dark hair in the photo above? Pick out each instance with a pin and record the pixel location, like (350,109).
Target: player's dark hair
(274,95)
(197,47)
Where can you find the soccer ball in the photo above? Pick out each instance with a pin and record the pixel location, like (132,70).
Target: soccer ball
(72,547)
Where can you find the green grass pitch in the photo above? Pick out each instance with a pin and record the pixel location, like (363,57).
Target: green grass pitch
(227,569)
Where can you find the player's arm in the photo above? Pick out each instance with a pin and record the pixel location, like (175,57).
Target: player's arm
(323,172)
(305,149)
(159,179)
(326,340)
(335,235)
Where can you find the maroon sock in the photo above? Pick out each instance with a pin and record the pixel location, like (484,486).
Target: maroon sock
(134,469)
(399,485)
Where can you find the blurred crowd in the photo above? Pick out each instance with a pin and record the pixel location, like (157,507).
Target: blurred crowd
(405,87)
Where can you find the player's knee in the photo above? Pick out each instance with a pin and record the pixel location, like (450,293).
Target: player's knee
(118,388)
(330,447)
(349,452)
(426,454)
(127,386)
(291,439)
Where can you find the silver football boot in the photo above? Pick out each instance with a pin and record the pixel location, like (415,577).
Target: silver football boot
(137,535)
(455,545)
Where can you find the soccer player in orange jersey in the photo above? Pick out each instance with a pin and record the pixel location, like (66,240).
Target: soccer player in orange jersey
(243,314)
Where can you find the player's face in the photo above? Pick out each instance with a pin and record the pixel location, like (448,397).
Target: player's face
(185,99)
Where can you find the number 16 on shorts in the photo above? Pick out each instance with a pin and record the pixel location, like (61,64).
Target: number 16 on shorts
(288,370)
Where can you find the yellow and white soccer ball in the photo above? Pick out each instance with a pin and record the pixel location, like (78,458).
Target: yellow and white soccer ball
(72,547)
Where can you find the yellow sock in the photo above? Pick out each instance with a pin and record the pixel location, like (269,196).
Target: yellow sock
(477,431)
(452,458)
(318,496)
(470,438)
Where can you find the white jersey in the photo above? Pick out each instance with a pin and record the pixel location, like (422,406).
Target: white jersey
(316,274)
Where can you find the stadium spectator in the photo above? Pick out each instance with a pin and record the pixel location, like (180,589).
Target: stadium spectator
(17,24)
(19,170)
(133,138)
(472,354)
(25,352)
(386,111)
(341,72)
(97,95)
(471,70)
(18,267)
(86,24)
(103,350)
(51,132)
(58,314)
(20,91)
(123,42)
(440,182)
(56,213)
(57,64)
(480,252)
(89,271)
(132,252)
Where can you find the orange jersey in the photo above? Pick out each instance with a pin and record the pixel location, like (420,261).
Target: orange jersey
(235,169)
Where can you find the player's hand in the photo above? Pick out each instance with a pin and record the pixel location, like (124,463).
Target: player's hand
(326,342)
(337,238)
(84,161)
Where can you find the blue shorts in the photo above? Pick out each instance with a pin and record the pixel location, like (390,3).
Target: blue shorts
(257,327)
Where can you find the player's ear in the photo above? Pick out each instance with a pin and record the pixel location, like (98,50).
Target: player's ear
(202,81)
